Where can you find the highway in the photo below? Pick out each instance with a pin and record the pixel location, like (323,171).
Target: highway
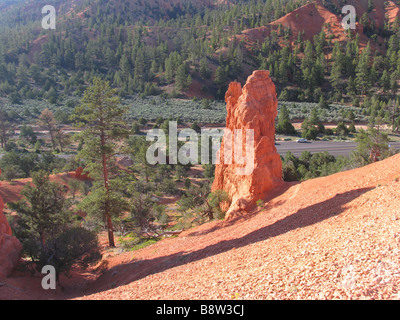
(334,148)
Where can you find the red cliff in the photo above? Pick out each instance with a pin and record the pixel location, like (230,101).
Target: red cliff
(10,247)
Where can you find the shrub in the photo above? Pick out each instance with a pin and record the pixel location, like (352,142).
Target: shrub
(260,203)
(215,200)
(289,171)
(75,245)
(46,229)
(310,133)
(285,127)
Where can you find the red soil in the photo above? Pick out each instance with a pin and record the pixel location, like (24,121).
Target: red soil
(11,191)
(332,237)
(392,11)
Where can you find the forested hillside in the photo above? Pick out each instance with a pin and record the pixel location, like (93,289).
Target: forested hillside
(140,46)
(195,48)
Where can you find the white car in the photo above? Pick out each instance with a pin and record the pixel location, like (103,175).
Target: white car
(302,140)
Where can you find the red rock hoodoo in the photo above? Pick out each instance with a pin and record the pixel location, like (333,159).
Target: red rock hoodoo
(254,107)
(10,247)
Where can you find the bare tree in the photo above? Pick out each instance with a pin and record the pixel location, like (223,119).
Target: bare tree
(47,121)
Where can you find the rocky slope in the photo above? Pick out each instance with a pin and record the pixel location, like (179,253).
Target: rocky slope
(332,237)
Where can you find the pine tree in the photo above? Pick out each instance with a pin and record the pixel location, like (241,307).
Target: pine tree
(182,78)
(363,75)
(102,117)
(337,66)
(385,81)
(284,126)
(46,230)
(205,71)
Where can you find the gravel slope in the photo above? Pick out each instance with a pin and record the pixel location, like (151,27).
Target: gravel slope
(336,237)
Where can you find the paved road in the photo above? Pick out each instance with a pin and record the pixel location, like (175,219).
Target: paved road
(334,148)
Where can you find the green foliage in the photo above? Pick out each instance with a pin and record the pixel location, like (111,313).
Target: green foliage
(74,246)
(215,200)
(186,110)
(309,166)
(102,117)
(260,203)
(198,203)
(146,215)
(99,204)
(310,132)
(209,170)
(341,129)
(76,186)
(195,127)
(284,126)
(28,133)
(182,78)
(20,165)
(47,231)
(373,145)
(10,172)
(289,171)
(135,128)
(142,60)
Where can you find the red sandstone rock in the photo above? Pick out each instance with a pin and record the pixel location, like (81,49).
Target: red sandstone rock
(253,107)
(79,174)
(10,247)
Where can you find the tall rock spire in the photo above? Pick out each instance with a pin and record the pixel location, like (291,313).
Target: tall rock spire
(252,109)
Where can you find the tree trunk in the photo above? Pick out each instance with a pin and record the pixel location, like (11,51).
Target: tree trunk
(3,135)
(52,138)
(110,229)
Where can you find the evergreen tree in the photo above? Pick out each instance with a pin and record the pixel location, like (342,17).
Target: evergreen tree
(205,71)
(363,75)
(182,78)
(102,117)
(337,66)
(46,230)
(284,126)
(385,81)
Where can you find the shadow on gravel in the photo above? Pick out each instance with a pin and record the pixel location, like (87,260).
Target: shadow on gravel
(135,270)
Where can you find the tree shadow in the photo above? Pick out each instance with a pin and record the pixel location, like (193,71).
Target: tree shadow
(136,270)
